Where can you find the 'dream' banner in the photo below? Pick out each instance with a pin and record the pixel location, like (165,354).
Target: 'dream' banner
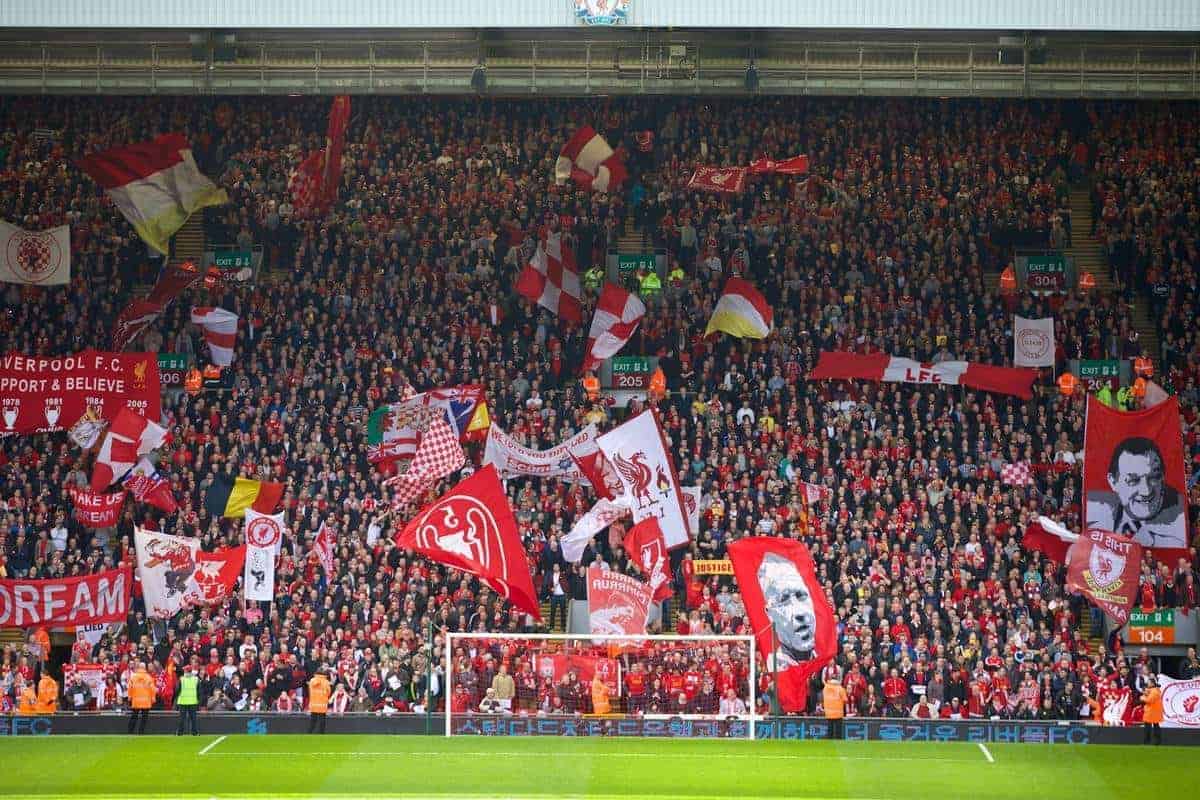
(39,395)
(102,597)
(96,509)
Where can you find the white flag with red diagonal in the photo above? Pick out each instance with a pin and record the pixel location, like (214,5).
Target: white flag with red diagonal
(588,160)
(813,492)
(130,437)
(324,545)
(617,316)
(551,279)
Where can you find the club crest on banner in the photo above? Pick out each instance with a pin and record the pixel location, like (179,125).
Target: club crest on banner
(1035,343)
(602,12)
(263,531)
(1104,570)
(463,526)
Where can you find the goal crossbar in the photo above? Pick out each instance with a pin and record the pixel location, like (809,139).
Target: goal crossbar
(748,642)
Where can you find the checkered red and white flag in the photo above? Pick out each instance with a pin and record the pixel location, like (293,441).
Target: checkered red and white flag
(617,316)
(438,455)
(1016,474)
(551,279)
(588,161)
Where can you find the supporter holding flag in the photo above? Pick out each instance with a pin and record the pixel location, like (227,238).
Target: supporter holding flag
(617,316)
(742,312)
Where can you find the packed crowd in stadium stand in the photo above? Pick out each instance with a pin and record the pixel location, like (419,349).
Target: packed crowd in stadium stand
(885,248)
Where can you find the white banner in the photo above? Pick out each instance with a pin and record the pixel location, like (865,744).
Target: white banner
(691,504)
(265,530)
(1181,702)
(259,581)
(599,517)
(638,452)
(512,459)
(37,258)
(1033,342)
(165,565)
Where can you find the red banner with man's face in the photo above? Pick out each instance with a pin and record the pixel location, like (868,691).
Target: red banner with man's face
(1133,478)
(789,613)
(43,394)
(97,509)
(102,597)
(1104,567)
(617,604)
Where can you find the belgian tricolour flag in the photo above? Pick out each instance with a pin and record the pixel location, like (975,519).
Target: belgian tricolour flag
(231,499)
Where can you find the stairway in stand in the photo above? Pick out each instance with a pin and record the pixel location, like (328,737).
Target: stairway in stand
(1094,639)
(190,241)
(632,241)
(1089,257)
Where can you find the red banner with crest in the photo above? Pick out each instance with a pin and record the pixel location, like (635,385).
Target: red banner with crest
(41,394)
(617,604)
(1104,568)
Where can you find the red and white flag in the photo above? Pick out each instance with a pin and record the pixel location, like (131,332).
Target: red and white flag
(617,316)
(618,604)
(1016,473)
(175,574)
(718,179)
(638,452)
(1033,342)
(796,165)
(133,319)
(324,545)
(151,488)
(597,469)
(788,611)
(587,160)
(598,517)
(646,545)
(129,437)
(439,454)
(35,258)
(472,528)
(1048,538)
(551,279)
(813,492)
(691,504)
(1104,568)
(155,185)
(101,597)
(220,331)
(96,510)
(1016,381)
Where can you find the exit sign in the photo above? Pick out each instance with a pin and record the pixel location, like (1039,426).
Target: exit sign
(631,372)
(1155,627)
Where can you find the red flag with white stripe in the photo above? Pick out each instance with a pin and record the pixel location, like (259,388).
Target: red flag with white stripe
(617,316)
(590,162)
(1016,381)
(324,545)
(220,331)
(551,279)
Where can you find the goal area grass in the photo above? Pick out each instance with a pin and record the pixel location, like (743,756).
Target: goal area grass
(478,767)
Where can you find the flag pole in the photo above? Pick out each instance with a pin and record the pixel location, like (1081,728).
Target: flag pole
(429,683)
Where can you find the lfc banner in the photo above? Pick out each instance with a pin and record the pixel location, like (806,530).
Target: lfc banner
(638,452)
(788,611)
(175,574)
(472,528)
(37,258)
(96,510)
(554,666)
(719,179)
(1104,568)
(645,543)
(92,599)
(511,459)
(1133,476)
(617,604)
(1033,342)
(42,394)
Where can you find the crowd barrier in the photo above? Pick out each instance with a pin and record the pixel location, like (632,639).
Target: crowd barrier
(791,728)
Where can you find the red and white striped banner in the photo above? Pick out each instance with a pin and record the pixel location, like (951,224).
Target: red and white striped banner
(891,369)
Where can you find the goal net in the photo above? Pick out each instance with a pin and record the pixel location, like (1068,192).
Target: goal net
(571,685)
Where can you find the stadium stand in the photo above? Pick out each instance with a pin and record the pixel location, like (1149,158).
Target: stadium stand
(895,243)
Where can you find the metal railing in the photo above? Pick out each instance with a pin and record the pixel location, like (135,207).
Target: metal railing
(632,64)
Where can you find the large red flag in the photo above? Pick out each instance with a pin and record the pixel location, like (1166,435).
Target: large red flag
(617,604)
(1133,477)
(472,528)
(788,610)
(1104,567)
(645,542)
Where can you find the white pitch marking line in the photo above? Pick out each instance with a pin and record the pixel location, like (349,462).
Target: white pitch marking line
(472,754)
(212,744)
(987,753)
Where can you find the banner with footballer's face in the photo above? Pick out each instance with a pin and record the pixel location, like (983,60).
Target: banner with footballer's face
(1133,478)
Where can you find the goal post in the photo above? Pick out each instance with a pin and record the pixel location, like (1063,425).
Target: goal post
(546,684)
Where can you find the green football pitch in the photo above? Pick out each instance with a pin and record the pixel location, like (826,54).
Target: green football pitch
(414,767)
